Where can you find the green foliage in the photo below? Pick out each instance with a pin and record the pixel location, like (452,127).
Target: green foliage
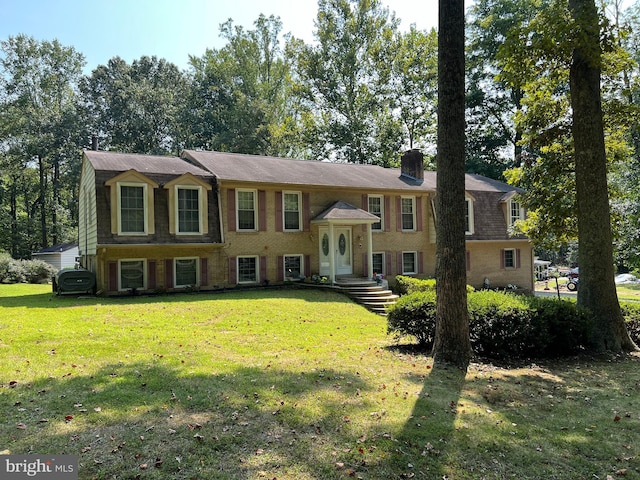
(502,325)
(38,271)
(414,314)
(406,285)
(24,271)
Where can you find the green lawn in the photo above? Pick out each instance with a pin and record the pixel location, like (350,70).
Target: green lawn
(291,384)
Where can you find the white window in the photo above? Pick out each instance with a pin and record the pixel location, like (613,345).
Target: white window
(378,263)
(131,274)
(186,272)
(409,262)
(510,260)
(247,269)
(132,200)
(291,211)
(247,211)
(293,266)
(376,207)
(188,208)
(408,214)
(516,212)
(468,216)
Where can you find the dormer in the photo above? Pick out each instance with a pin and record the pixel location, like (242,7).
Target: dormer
(188,206)
(132,208)
(512,208)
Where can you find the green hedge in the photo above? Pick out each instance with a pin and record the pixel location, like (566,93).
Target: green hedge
(501,325)
(405,285)
(24,271)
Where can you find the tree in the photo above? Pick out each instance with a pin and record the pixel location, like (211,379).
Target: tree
(494,98)
(135,108)
(239,97)
(451,344)
(597,290)
(414,88)
(344,80)
(40,126)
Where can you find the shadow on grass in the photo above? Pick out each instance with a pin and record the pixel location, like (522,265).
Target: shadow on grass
(150,419)
(51,300)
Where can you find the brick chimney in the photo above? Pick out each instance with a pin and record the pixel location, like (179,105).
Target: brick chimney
(412,164)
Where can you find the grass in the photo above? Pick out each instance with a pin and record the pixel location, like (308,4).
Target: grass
(291,384)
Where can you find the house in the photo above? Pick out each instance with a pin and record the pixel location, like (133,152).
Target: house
(62,255)
(211,220)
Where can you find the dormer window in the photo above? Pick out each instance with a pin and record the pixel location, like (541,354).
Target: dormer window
(188,208)
(516,212)
(468,216)
(132,208)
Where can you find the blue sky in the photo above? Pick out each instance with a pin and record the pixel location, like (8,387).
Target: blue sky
(170,29)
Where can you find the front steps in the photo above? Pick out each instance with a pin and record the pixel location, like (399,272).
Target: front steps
(367,293)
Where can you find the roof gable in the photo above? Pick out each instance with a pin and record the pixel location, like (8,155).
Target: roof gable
(131,176)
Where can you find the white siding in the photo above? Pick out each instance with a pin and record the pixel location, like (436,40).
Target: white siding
(87,223)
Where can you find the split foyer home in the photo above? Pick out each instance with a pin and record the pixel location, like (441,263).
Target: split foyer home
(210,220)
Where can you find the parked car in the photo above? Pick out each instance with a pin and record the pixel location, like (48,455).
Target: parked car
(626,279)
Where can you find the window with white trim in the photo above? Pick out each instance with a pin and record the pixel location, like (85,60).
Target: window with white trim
(468,216)
(188,208)
(291,211)
(516,212)
(377,259)
(510,260)
(186,272)
(132,199)
(376,207)
(248,269)
(247,211)
(131,274)
(293,266)
(408,214)
(409,263)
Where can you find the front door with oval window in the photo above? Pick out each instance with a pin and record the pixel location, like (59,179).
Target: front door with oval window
(342,251)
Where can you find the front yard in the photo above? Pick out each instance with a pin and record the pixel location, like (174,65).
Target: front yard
(291,384)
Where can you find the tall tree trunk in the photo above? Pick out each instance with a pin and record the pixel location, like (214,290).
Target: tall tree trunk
(13,201)
(43,203)
(597,290)
(56,202)
(452,344)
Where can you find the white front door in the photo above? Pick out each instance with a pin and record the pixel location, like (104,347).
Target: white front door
(341,245)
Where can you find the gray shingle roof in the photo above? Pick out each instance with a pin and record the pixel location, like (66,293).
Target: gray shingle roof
(146,164)
(263,169)
(345,211)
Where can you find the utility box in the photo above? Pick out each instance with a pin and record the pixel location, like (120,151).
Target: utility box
(74,280)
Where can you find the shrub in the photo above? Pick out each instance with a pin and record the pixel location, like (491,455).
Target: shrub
(37,271)
(502,325)
(11,271)
(406,285)
(631,313)
(414,314)
(24,271)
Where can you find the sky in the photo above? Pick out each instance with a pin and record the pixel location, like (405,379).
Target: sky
(169,29)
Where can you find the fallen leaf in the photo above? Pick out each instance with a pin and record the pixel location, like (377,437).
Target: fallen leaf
(68,418)
(21,426)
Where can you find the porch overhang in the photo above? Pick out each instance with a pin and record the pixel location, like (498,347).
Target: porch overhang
(343,213)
